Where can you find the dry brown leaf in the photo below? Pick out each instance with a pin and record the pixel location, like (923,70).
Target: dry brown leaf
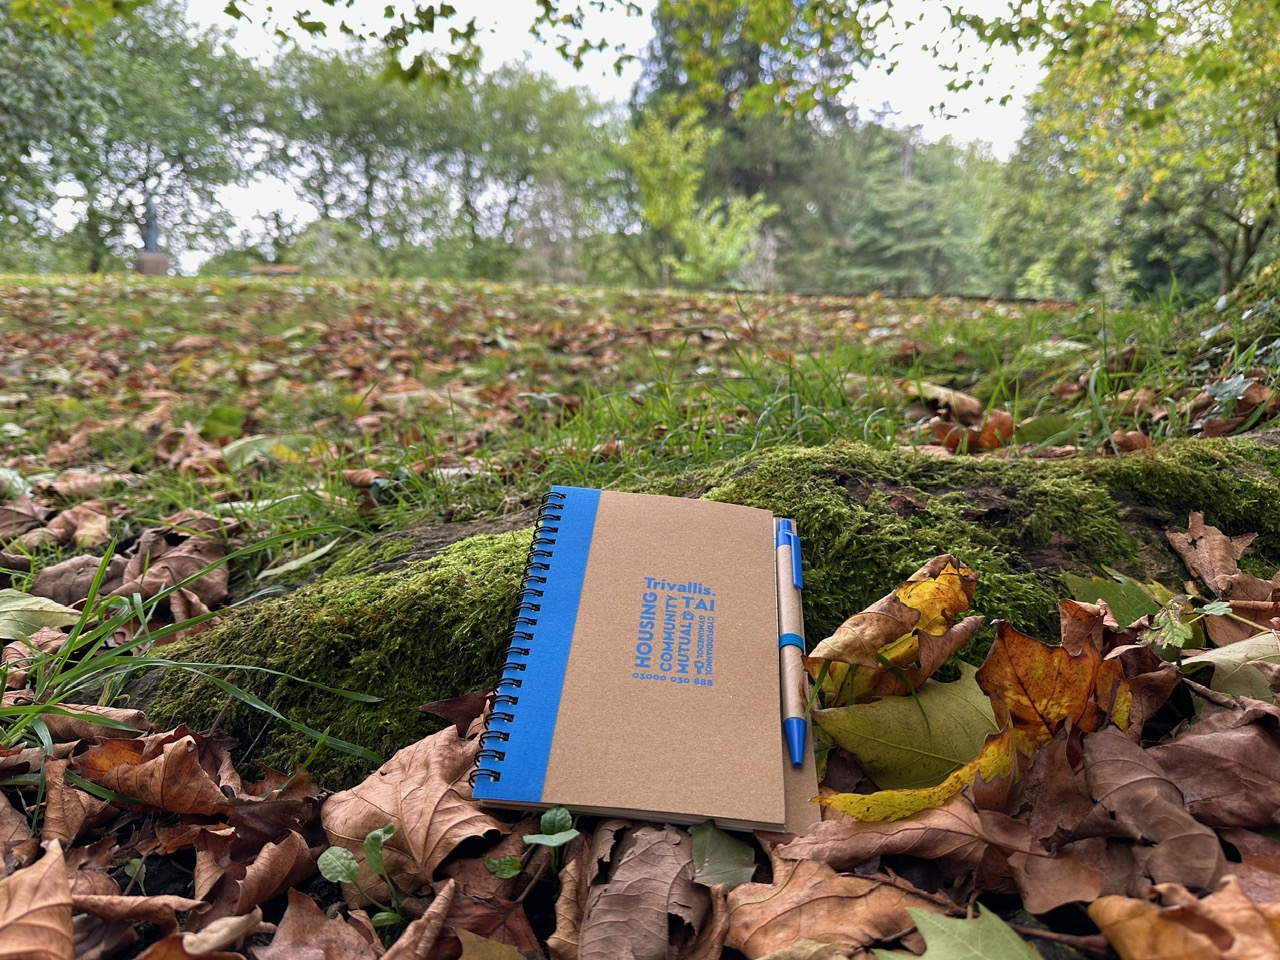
(68,582)
(83,725)
(242,883)
(85,525)
(804,949)
(160,911)
(1127,441)
(575,882)
(173,771)
(305,933)
(20,516)
(810,901)
(1226,764)
(650,905)
(709,944)
(174,947)
(1226,925)
(14,827)
(477,880)
(68,810)
(420,937)
(1212,556)
(76,484)
(1135,799)
(89,869)
(952,831)
(422,790)
(1258,868)
(183,545)
(18,655)
(996,431)
(35,911)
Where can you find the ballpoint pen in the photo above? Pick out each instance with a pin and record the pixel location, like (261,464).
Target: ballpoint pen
(791,639)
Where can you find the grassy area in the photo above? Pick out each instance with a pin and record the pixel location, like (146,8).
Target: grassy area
(296,404)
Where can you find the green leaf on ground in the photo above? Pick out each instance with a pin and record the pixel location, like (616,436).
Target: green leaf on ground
(22,614)
(894,744)
(299,562)
(985,937)
(373,844)
(719,857)
(1234,672)
(285,447)
(1128,599)
(504,868)
(339,865)
(557,829)
(1043,429)
(223,421)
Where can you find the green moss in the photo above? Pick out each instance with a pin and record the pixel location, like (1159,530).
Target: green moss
(1233,482)
(436,628)
(870,518)
(432,630)
(363,554)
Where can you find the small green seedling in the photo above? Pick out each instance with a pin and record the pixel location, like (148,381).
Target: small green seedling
(557,830)
(339,865)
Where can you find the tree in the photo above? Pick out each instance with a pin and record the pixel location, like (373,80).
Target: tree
(912,215)
(1184,130)
(46,95)
(182,116)
(700,244)
(355,146)
(516,140)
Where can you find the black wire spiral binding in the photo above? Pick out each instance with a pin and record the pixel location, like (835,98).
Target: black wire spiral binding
(519,638)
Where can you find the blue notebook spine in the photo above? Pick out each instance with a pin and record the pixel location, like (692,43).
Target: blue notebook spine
(504,707)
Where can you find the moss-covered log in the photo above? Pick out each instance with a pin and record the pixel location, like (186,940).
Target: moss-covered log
(391,620)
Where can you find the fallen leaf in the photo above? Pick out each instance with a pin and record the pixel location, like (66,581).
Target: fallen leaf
(575,882)
(984,935)
(35,910)
(173,771)
(912,628)
(20,516)
(481,948)
(1235,667)
(907,742)
(183,545)
(1212,556)
(422,790)
(68,582)
(720,858)
(67,810)
(1225,925)
(1034,690)
(810,901)
(1226,764)
(22,614)
(650,902)
(420,937)
(305,932)
(1135,799)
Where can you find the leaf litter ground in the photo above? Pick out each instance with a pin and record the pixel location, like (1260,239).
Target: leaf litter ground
(1122,799)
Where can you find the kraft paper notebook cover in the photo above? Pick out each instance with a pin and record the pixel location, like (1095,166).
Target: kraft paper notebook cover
(642,678)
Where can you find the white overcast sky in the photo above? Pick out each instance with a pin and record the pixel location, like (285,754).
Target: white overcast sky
(912,93)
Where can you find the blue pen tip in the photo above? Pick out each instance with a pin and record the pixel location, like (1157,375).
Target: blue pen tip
(797,729)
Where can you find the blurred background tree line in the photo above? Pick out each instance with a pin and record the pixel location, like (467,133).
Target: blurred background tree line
(1150,164)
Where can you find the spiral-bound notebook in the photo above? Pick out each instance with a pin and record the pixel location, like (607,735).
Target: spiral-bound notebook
(642,677)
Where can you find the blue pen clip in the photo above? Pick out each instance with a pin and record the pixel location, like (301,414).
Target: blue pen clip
(797,574)
(787,535)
